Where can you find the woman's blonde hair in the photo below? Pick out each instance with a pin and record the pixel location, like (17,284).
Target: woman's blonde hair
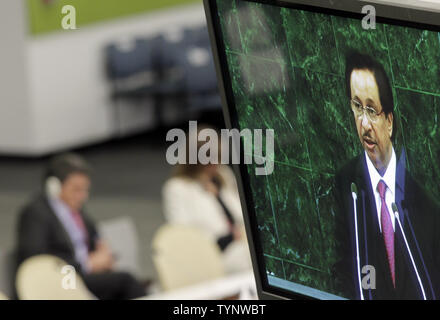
(192,171)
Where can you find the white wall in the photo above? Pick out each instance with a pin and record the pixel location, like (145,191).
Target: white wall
(16,126)
(60,88)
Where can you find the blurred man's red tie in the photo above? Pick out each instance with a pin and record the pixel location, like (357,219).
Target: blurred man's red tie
(80,223)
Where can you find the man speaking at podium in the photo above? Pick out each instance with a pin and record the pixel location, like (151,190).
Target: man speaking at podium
(384,219)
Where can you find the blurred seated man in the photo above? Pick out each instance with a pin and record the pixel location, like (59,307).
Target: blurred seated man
(206,197)
(55,223)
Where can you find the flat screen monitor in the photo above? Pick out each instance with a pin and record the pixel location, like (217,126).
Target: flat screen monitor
(351,92)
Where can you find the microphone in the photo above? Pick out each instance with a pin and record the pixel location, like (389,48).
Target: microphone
(396,215)
(354,196)
(354,190)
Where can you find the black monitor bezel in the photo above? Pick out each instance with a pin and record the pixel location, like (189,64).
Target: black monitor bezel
(396,14)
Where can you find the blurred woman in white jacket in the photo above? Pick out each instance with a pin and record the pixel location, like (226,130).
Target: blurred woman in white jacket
(206,197)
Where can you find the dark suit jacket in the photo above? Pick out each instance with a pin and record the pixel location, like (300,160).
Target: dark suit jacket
(420,219)
(40,232)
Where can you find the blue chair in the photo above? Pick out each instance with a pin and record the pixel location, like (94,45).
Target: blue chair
(133,72)
(201,79)
(134,75)
(198,36)
(171,72)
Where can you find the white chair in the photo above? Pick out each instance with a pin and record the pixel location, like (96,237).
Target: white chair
(184,256)
(121,235)
(45,277)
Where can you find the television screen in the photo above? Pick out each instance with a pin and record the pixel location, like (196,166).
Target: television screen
(351,207)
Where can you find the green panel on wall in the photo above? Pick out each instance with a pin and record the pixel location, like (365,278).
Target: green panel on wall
(46,16)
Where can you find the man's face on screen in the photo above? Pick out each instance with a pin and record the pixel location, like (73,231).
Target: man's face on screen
(374,131)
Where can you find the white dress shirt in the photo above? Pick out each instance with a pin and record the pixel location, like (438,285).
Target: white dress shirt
(76,235)
(390,180)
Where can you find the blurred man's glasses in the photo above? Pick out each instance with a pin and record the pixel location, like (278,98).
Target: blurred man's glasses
(359,110)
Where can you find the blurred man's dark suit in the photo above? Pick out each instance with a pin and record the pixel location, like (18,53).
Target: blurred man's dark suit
(420,218)
(41,232)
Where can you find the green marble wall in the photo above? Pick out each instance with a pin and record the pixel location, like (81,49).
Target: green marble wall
(287,73)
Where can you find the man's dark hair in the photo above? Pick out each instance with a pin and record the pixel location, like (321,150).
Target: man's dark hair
(63,165)
(359,61)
